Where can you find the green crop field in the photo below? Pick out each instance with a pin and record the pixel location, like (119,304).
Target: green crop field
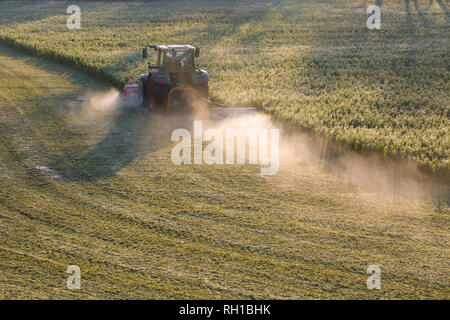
(313,63)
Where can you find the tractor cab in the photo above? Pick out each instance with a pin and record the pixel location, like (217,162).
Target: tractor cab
(172,58)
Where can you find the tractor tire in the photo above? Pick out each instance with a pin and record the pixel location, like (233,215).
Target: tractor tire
(161,95)
(143,96)
(157,96)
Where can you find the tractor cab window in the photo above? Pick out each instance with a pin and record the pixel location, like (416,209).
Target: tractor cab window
(155,59)
(179,61)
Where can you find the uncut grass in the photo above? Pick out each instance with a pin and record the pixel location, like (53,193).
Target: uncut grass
(310,62)
(145,228)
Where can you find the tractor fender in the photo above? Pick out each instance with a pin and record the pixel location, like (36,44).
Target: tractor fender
(201,77)
(201,80)
(159,77)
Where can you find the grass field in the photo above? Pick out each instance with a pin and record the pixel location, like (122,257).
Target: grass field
(113,203)
(141,227)
(313,63)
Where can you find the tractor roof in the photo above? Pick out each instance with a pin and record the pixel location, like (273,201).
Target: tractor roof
(173,47)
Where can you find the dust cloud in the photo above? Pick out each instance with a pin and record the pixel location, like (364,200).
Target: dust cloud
(100,103)
(95,109)
(372,174)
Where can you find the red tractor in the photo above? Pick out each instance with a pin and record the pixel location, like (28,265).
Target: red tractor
(174,80)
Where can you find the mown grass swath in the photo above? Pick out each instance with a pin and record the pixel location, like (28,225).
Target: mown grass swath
(313,63)
(141,227)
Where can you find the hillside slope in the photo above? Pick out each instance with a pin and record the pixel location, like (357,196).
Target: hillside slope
(141,227)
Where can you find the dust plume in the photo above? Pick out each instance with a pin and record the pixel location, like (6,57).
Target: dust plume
(94,110)
(100,103)
(371,173)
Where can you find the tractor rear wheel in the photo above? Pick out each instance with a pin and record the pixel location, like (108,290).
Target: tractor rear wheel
(157,96)
(143,97)
(160,94)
